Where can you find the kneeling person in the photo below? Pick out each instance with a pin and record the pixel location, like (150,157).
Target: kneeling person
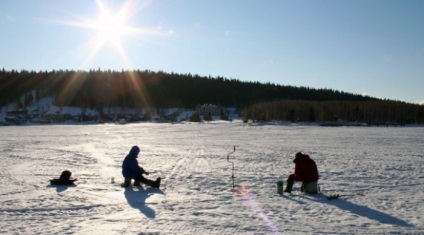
(131,170)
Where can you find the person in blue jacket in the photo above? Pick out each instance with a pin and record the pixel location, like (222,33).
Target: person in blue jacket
(131,170)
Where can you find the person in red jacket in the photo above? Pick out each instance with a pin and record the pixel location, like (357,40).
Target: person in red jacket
(305,171)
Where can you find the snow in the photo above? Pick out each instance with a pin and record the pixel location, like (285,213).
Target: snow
(196,196)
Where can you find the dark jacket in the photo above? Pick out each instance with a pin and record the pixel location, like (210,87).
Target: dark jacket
(305,169)
(130,167)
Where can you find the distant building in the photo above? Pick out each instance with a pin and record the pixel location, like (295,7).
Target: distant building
(209,109)
(16,117)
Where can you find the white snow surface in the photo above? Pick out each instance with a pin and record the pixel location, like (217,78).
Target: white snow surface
(197,195)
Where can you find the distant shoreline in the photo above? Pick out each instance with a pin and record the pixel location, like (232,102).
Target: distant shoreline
(236,121)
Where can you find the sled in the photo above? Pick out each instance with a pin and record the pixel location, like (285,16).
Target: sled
(62,182)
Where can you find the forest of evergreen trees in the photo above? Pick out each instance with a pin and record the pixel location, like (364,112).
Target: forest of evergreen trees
(145,89)
(375,112)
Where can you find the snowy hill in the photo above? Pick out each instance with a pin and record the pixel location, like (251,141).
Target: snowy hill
(197,197)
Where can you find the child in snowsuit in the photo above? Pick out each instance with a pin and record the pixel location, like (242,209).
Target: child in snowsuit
(305,171)
(131,170)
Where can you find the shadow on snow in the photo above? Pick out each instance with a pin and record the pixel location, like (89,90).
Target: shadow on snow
(360,210)
(137,196)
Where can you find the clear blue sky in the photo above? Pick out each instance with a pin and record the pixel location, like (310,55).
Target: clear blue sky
(373,47)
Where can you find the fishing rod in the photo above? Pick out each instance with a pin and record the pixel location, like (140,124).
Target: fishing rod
(228,159)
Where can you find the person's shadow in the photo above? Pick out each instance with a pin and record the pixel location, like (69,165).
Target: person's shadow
(361,210)
(136,198)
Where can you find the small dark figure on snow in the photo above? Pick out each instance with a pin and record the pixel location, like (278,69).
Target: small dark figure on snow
(305,171)
(131,170)
(64,179)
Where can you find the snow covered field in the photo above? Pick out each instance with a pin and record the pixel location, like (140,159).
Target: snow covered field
(197,196)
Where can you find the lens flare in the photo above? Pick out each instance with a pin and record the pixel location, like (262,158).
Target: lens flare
(250,201)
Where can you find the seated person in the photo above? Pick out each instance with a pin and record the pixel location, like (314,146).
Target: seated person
(305,171)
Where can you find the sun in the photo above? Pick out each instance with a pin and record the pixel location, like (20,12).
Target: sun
(111,27)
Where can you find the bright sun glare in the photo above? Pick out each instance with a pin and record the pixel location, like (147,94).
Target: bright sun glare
(110,28)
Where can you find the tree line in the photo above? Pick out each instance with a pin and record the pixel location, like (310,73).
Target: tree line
(372,112)
(148,89)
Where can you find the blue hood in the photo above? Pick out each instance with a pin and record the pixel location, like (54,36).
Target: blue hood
(134,150)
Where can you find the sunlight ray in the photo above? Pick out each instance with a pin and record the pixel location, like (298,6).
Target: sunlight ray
(140,90)
(110,28)
(123,55)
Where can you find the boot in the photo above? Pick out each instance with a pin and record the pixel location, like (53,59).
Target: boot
(126,183)
(137,183)
(289,186)
(147,182)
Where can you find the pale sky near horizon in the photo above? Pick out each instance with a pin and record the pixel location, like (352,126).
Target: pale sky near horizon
(372,47)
